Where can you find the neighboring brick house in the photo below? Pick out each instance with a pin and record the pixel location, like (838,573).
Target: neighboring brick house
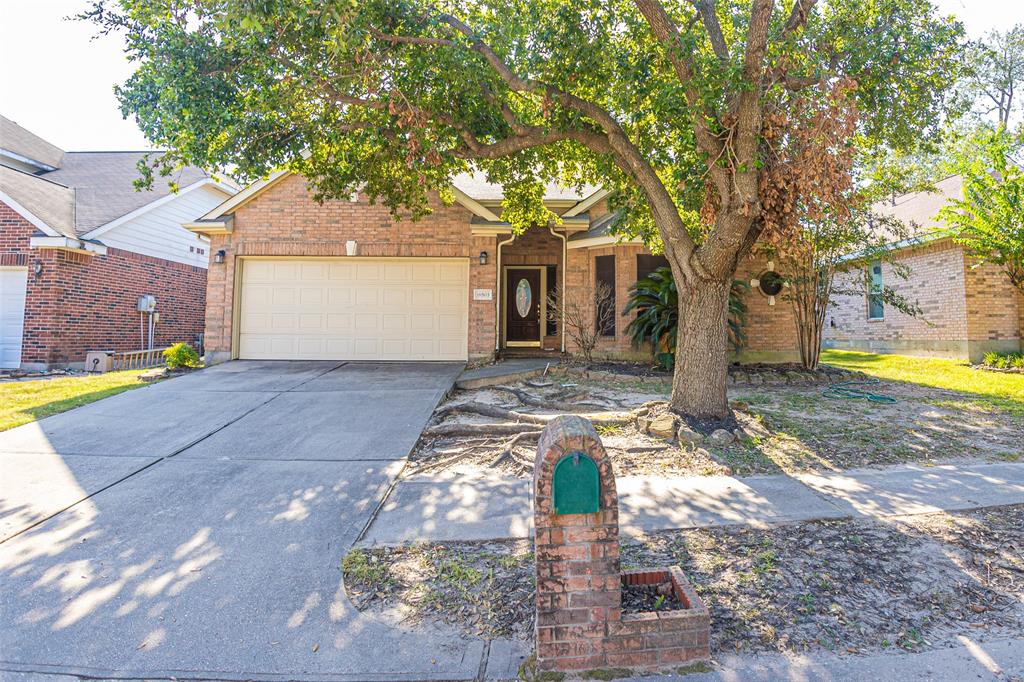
(297,279)
(79,246)
(968,309)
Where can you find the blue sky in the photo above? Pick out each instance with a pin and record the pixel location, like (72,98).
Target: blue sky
(57,81)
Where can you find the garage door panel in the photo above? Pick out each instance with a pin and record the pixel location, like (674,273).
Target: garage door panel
(13,287)
(341,271)
(339,322)
(365,296)
(373,309)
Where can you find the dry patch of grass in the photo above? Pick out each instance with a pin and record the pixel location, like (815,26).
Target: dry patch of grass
(786,429)
(847,586)
(485,589)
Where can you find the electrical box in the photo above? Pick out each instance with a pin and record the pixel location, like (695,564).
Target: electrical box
(147,303)
(99,360)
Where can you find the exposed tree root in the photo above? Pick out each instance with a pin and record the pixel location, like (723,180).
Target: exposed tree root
(458,430)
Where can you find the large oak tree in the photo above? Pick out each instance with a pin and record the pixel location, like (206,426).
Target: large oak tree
(664,103)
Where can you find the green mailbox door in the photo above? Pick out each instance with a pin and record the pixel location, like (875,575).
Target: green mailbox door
(576,485)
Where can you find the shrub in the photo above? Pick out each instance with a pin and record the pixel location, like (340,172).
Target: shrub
(1003,360)
(656,302)
(181,355)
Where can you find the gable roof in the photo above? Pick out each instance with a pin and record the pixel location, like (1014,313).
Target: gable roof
(917,210)
(469,190)
(48,205)
(103,183)
(29,146)
(476,186)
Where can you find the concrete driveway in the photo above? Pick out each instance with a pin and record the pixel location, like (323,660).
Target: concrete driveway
(196,527)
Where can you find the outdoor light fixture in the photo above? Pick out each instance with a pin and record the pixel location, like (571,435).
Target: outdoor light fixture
(483,258)
(218,257)
(37,268)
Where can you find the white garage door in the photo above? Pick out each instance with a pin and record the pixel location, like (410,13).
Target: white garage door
(12,314)
(354,309)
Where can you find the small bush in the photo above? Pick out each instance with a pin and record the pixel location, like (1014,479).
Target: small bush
(1003,360)
(181,355)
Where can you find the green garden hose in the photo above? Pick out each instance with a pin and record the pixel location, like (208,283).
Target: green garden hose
(845,389)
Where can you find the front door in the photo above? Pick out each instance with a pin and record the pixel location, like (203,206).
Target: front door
(522,306)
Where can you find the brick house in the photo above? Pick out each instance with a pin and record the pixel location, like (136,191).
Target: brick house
(968,308)
(79,246)
(293,278)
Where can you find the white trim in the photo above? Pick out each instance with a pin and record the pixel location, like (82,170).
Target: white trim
(474,206)
(67,244)
(207,227)
(28,215)
(247,194)
(584,204)
(490,230)
(606,240)
(142,210)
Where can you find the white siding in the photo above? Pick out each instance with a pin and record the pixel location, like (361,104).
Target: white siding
(159,232)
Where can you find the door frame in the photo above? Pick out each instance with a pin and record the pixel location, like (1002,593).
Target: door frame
(503,309)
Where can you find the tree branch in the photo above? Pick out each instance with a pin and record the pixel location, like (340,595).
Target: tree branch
(798,17)
(708,16)
(667,34)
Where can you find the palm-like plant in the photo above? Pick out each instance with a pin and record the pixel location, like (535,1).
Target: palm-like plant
(656,302)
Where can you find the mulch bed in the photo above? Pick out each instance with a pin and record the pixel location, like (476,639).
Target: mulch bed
(646,598)
(846,586)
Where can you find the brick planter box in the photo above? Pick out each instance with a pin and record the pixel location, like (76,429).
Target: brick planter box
(660,639)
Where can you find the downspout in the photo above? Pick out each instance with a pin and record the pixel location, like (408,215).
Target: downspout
(565,267)
(497,302)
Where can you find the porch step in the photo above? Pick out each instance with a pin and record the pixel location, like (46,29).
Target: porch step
(503,372)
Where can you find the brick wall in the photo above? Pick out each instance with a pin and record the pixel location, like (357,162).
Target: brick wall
(965,311)
(770,330)
(993,310)
(286,221)
(88,302)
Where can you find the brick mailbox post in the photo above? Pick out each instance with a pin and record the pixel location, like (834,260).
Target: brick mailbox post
(580,624)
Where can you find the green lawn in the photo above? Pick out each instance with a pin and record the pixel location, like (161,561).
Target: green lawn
(995,389)
(25,401)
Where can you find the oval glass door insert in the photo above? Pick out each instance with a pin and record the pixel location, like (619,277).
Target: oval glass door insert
(524,297)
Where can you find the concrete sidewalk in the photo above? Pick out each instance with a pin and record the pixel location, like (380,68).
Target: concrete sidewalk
(971,660)
(495,507)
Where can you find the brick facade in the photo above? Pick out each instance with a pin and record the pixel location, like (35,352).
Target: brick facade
(967,310)
(285,221)
(84,302)
(770,329)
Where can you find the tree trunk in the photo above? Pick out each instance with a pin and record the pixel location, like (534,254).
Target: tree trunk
(699,382)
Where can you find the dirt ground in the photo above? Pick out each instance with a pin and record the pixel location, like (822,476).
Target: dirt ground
(847,586)
(786,428)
